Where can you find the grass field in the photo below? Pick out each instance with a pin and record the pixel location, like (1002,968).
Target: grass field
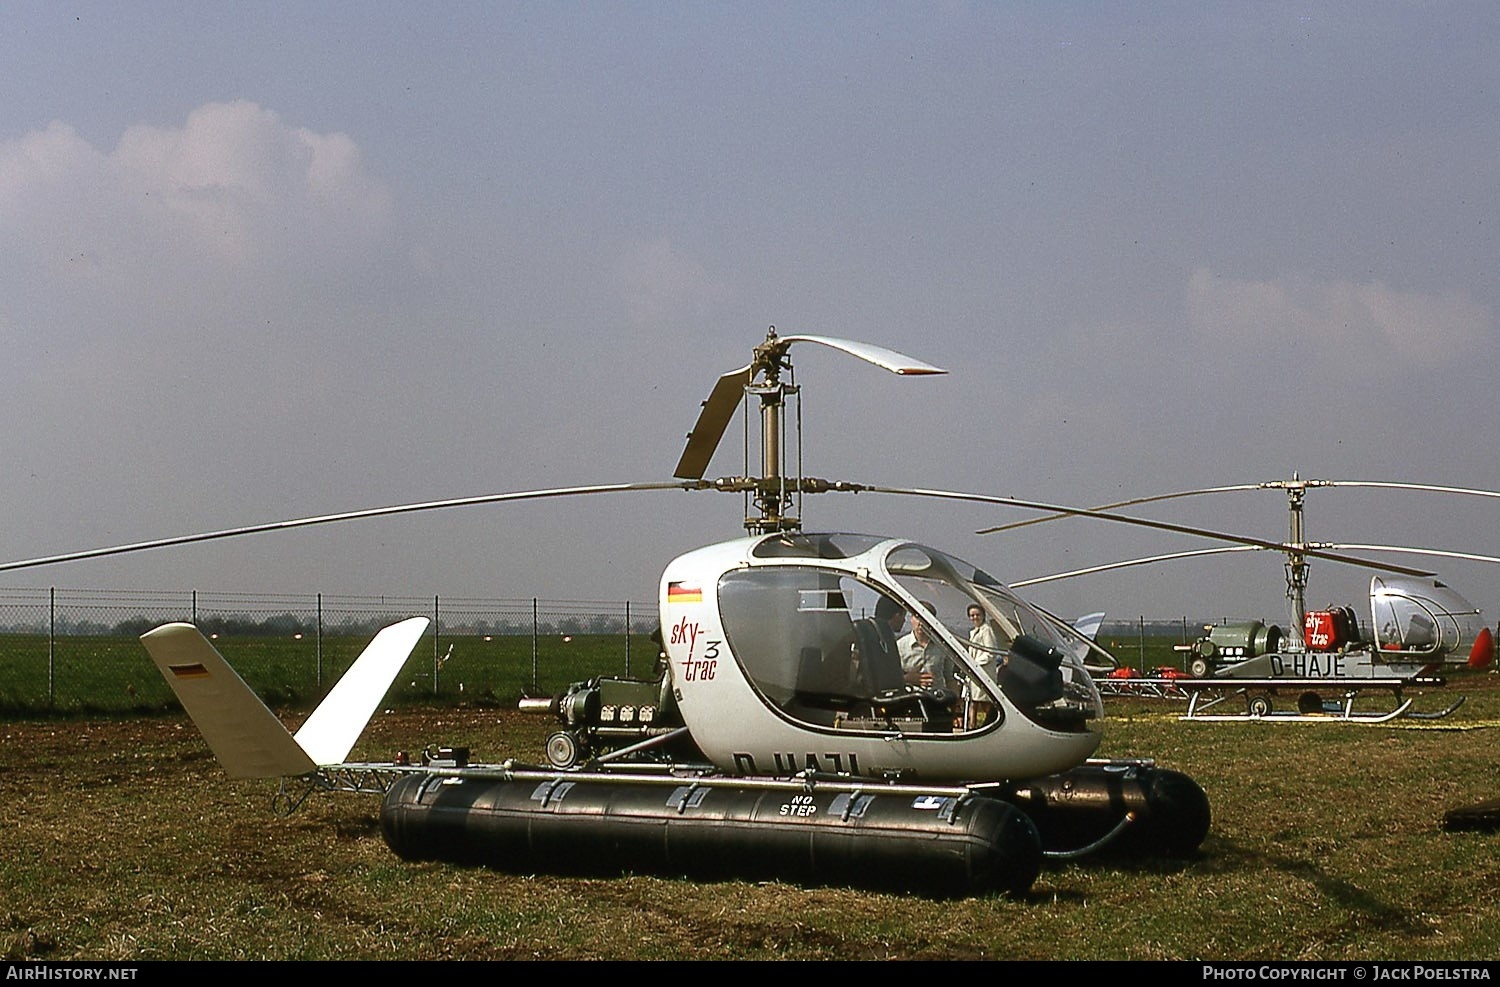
(124,841)
(113,674)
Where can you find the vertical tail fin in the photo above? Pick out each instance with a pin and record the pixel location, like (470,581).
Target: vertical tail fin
(330,732)
(1088,625)
(244,735)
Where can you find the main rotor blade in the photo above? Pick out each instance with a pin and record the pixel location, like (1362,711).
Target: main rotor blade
(1147,560)
(1305,550)
(896,363)
(712,420)
(1394,485)
(434,505)
(1466,556)
(1135,562)
(1122,503)
(1267,485)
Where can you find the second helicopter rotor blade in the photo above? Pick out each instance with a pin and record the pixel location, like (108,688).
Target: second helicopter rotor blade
(1129,563)
(1308,551)
(1121,503)
(1265,485)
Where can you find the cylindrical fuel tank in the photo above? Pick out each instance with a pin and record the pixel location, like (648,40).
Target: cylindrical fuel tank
(1244,640)
(939,845)
(1170,813)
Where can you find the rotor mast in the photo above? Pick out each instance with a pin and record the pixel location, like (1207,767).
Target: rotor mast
(771,494)
(1296,559)
(773,490)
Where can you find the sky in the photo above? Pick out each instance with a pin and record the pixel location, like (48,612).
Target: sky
(275,260)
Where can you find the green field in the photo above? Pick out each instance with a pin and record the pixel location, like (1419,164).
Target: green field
(112,674)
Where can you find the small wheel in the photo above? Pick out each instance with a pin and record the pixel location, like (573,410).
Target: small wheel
(1260,706)
(1198,669)
(564,750)
(1309,702)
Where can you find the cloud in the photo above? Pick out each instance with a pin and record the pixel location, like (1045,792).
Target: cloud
(1365,326)
(233,187)
(172,277)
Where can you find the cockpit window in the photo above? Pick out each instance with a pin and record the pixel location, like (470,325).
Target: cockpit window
(815,642)
(951,587)
(1420,617)
(1010,645)
(826,649)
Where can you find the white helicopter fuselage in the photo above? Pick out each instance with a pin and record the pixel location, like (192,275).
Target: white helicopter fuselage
(763,638)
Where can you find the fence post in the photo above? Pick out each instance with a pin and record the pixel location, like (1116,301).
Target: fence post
(195,607)
(318,648)
(437,630)
(1141,642)
(51,647)
(533,642)
(627,639)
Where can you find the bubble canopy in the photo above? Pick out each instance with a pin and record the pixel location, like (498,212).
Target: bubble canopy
(822,623)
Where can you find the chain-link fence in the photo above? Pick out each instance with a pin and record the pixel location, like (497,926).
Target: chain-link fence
(78,650)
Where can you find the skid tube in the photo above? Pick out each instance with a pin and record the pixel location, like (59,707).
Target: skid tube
(1259,696)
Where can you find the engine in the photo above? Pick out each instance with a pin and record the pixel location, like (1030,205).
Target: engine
(606,713)
(1230,643)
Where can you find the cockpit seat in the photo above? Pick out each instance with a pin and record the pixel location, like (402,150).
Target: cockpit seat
(879,659)
(1032,675)
(825,676)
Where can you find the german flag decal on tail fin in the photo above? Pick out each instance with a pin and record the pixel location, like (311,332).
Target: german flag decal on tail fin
(193,671)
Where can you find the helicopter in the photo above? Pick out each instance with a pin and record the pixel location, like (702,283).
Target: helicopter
(1418,627)
(784,733)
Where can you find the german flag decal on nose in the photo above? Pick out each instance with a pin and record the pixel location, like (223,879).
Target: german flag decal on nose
(680,592)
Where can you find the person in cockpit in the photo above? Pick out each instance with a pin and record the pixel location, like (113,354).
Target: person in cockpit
(984,649)
(924,658)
